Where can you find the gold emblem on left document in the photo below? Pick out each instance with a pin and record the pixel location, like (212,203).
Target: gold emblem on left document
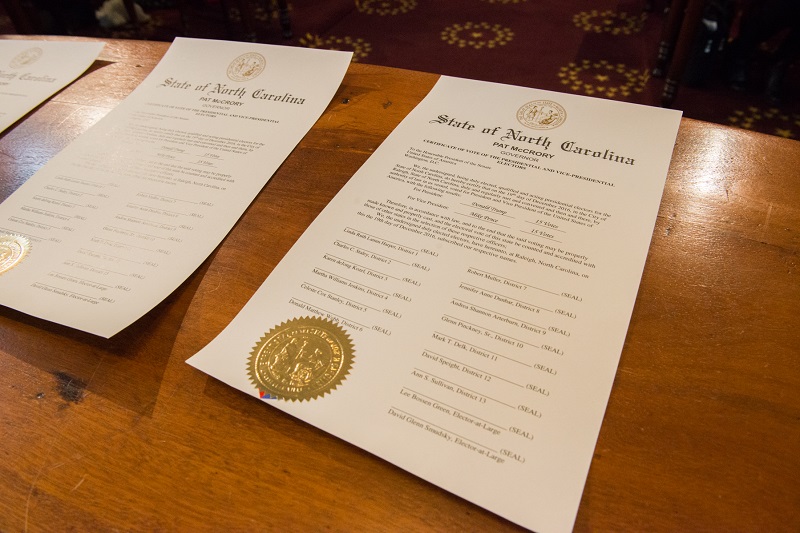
(246,66)
(13,249)
(301,359)
(28,57)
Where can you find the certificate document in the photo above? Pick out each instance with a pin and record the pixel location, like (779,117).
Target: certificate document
(31,71)
(459,308)
(123,215)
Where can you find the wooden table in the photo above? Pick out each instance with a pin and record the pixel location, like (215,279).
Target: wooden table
(702,430)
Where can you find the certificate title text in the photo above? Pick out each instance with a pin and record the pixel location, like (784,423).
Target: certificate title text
(213,89)
(518,136)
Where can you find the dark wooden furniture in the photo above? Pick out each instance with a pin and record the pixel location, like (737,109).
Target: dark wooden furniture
(702,431)
(243,27)
(675,46)
(26,19)
(246,8)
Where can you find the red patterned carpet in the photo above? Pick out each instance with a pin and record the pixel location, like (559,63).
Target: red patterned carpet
(604,48)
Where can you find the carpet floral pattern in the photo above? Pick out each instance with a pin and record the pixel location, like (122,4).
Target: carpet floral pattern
(604,48)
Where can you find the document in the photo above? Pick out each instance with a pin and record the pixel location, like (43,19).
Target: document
(122,216)
(32,71)
(459,308)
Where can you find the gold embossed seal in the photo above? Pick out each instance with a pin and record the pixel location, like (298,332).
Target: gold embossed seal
(27,57)
(246,66)
(301,359)
(542,115)
(13,249)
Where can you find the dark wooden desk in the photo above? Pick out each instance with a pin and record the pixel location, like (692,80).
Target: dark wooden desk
(702,431)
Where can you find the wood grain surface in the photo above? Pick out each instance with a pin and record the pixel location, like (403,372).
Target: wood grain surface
(702,431)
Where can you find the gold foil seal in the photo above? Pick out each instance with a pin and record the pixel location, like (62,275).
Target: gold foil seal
(301,359)
(13,249)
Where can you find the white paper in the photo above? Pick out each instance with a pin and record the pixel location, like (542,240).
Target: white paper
(131,208)
(486,273)
(31,71)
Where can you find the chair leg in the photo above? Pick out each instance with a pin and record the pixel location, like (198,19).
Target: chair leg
(245,19)
(683,47)
(285,19)
(182,8)
(25,21)
(669,35)
(132,16)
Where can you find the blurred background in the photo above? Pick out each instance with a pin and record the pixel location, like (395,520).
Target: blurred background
(732,62)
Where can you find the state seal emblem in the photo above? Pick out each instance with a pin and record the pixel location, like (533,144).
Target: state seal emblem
(28,57)
(246,66)
(301,359)
(13,249)
(541,115)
